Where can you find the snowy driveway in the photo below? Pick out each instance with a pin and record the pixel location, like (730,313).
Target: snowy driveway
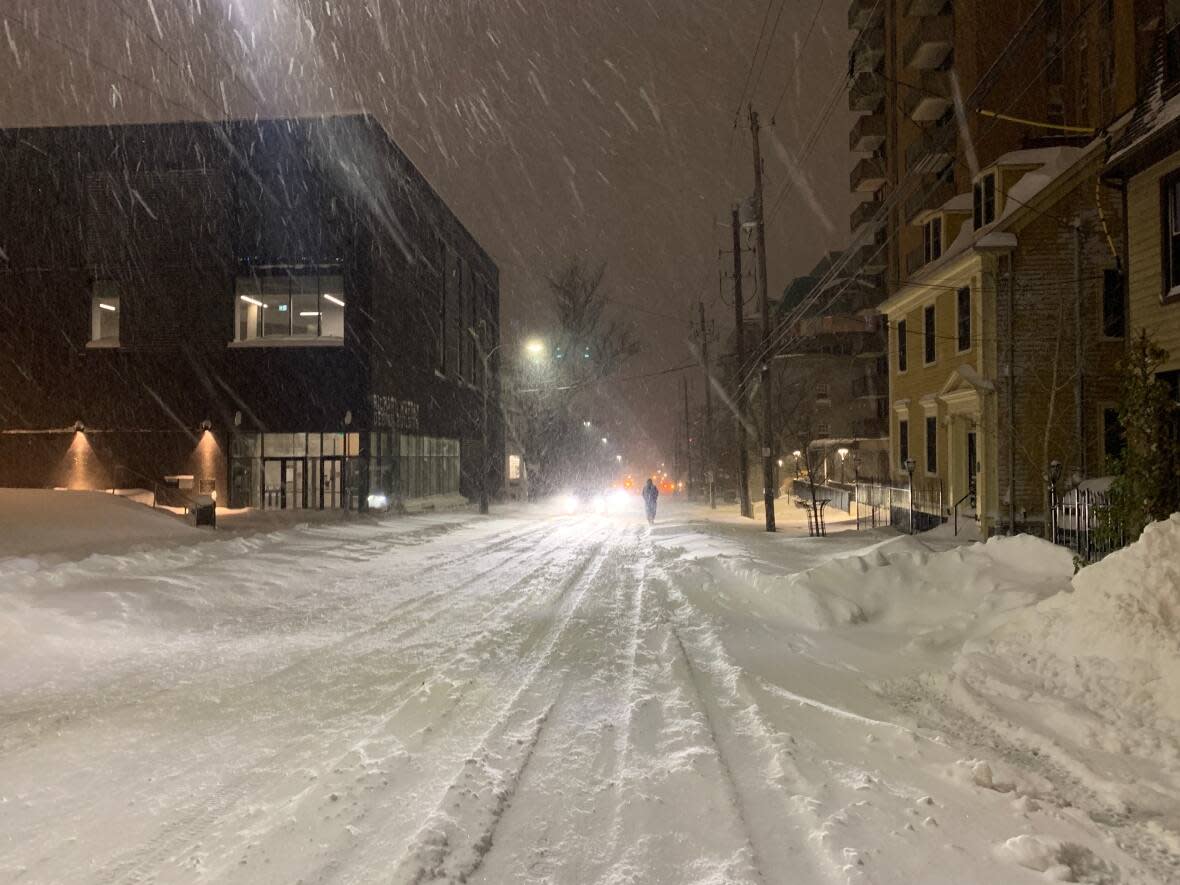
(525,698)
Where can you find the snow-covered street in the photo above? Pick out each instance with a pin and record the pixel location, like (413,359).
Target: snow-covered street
(534,697)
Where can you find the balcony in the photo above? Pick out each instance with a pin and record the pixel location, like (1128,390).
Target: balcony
(867,176)
(929,98)
(932,150)
(866,93)
(931,192)
(865,14)
(868,52)
(866,213)
(868,134)
(930,43)
(870,387)
(924,8)
(871,258)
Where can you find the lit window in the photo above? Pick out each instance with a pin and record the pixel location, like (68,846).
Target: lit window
(105,308)
(985,200)
(514,468)
(294,306)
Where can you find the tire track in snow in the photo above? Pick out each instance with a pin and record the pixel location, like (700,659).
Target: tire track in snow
(768,787)
(23,728)
(250,774)
(454,841)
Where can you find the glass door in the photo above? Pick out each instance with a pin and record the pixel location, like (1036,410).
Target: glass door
(331,483)
(282,484)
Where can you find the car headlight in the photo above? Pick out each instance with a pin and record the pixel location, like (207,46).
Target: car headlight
(570,504)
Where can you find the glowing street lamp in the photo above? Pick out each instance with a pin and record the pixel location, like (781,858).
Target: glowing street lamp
(535,348)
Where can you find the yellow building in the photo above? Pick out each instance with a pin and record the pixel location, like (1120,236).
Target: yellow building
(1145,162)
(1003,345)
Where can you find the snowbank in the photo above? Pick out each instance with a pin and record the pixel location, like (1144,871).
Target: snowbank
(1091,678)
(903,583)
(37,521)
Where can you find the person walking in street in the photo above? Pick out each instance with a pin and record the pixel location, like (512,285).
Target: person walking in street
(651,494)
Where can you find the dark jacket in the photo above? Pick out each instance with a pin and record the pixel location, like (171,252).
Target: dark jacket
(650,493)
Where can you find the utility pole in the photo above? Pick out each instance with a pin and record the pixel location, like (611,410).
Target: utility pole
(739,323)
(687,442)
(768,489)
(710,486)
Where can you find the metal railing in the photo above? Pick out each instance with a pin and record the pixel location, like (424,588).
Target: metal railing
(1082,521)
(839,498)
(884,504)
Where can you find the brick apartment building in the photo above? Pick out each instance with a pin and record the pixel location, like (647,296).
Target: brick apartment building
(986,127)
(276,312)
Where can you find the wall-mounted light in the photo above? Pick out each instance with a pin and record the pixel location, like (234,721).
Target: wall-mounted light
(79,427)
(348,418)
(206,425)
(237,419)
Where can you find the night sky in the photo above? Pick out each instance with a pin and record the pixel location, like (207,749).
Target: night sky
(551,128)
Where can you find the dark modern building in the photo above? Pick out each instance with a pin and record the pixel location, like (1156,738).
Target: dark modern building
(281,312)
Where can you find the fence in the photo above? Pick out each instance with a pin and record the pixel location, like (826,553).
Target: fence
(879,504)
(837,498)
(1081,521)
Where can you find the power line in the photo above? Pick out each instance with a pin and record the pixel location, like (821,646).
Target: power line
(799,57)
(783,336)
(737,114)
(646,375)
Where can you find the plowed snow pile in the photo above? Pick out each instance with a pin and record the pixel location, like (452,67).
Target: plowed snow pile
(905,584)
(1092,677)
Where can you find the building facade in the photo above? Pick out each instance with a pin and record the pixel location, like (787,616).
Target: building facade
(985,130)
(278,313)
(1145,166)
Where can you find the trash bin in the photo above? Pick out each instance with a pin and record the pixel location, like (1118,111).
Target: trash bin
(204,511)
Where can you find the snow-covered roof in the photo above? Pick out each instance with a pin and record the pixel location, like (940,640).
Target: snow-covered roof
(1155,117)
(959,203)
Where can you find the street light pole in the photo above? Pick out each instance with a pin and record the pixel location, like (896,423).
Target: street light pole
(768,489)
(485,356)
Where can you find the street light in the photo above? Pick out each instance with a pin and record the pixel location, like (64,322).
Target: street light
(618,457)
(843,453)
(909,468)
(535,348)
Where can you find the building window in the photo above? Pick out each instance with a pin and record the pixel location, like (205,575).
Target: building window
(289,305)
(1172,36)
(1171,246)
(823,429)
(822,391)
(1112,434)
(931,351)
(1083,79)
(901,345)
(932,239)
(985,200)
(903,442)
(963,318)
(1114,315)
(105,309)
(932,445)
(514,468)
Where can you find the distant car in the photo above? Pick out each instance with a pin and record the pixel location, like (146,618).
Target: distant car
(600,501)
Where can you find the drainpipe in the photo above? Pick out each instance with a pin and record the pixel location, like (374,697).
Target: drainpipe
(1011,393)
(1079,348)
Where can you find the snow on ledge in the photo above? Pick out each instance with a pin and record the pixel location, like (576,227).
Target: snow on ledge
(322,341)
